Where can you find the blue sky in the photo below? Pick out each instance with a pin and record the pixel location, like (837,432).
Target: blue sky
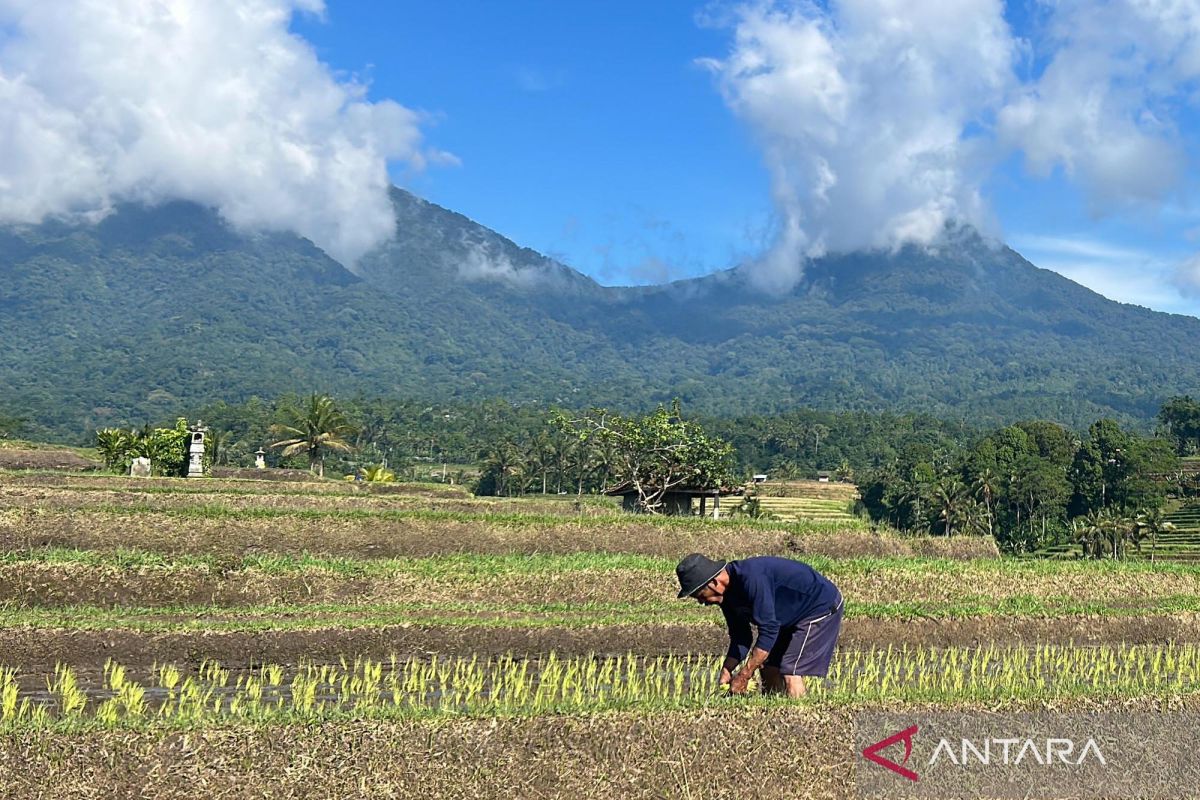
(594,132)
(586,131)
(635,141)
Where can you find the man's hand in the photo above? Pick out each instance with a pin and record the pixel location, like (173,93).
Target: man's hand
(741,681)
(727,671)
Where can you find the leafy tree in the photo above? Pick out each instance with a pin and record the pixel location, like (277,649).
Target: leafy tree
(1180,416)
(165,447)
(116,448)
(214,445)
(656,453)
(314,428)
(950,497)
(1089,533)
(503,464)
(1117,469)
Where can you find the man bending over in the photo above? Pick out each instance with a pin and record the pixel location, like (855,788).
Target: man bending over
(797,610)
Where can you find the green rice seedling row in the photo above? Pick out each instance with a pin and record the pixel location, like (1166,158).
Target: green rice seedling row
(507,685)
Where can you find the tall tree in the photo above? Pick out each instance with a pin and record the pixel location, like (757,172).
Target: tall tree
(314,428)
(503,465)
(984,487)
(1152,523)
(1180,416)
(950,498)
(657,453)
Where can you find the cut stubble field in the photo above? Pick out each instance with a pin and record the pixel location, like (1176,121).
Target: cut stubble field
(415,534)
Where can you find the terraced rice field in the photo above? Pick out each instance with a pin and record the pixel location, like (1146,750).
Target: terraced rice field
(1181,545)
(814,501)
(298,640)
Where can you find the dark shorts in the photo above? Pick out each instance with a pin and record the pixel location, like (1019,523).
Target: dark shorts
(806,648)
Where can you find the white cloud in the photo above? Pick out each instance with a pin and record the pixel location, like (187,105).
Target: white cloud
(1103,109)
(213,101)
(1118,282)
(482,262)
(867,114)
(1078,246)
(1119,272)
(1187,278)
(880,120)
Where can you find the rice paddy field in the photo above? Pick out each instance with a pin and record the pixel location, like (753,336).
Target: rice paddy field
(250,638)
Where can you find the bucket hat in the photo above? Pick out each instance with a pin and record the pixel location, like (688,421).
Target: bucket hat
(694,571)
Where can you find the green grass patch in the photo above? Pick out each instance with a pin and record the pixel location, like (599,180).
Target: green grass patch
(498,687)
(488,565)
(658,611)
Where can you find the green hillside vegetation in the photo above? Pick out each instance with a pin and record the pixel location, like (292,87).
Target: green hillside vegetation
(154,312)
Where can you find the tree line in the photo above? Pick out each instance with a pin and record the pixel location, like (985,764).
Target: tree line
(1029,484)
(1034,484)
(508,449)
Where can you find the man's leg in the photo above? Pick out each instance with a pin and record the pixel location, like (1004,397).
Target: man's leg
(772,680)
(795,686)
(815,652)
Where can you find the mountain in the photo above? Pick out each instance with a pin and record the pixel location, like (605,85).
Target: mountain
(154,311)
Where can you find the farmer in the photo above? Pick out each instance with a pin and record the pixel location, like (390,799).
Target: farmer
(797,610)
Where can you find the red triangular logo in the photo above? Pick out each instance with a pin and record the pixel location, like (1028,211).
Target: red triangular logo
(906,735)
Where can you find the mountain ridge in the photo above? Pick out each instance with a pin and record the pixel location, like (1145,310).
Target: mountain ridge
(156,310)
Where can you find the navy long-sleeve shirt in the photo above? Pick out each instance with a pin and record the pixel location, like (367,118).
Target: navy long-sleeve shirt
(773,593)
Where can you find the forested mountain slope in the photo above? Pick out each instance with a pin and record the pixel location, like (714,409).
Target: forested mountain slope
(154,311)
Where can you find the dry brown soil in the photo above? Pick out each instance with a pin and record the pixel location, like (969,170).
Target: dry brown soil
(160,532)
(677,754)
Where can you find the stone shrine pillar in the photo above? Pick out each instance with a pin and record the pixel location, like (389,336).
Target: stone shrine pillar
(196,451)
(260,459)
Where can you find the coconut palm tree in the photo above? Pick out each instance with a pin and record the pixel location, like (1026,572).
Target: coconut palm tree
(1093,533)
(505,461)
(1082,534)
(949,495)
(1104,529)
(985,489)
(1127,531)
(1153,522)
(314,428)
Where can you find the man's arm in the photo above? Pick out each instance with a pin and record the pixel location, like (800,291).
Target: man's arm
(727,669)
(762,595)
(740,638)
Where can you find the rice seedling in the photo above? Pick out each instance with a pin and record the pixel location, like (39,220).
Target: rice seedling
(508,685)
